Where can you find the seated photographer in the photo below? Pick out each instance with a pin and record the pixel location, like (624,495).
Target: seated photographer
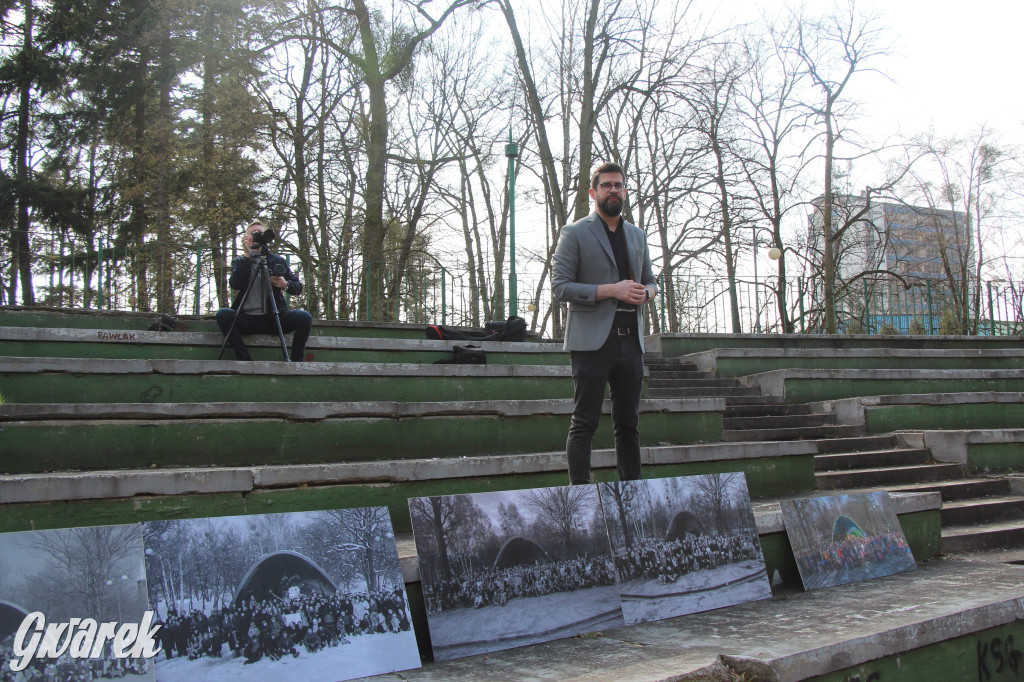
(254,315)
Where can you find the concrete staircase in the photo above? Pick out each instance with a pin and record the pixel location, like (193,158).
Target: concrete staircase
(979,514)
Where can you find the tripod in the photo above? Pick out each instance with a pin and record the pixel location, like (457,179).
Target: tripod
(259,263)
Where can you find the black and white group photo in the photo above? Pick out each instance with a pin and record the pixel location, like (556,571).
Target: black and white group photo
(839,539)
(683,545)
(95,572)
(507,569)
(297,596)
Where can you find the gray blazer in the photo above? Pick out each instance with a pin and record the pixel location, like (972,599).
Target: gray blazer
(584,259)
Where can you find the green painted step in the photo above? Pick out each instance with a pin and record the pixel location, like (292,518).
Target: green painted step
(46,500)
(129,344)
(733,362)
(811,385)
(673,345)
(76,318)
(71,380)
(60,437)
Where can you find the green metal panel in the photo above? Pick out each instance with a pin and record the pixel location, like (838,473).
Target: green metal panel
(27,447)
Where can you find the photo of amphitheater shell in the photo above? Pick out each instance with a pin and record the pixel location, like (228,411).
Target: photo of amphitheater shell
(839,539)
(309,595)
(683,545)
(506,569)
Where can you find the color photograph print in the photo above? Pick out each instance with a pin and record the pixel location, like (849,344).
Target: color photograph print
(86,573)
(507,569)
(300,596)
(839,539)
(683,545)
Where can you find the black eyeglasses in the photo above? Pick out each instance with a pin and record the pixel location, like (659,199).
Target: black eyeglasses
(607,186)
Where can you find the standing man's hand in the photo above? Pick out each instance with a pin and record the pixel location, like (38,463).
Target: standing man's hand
(631,292)
(279,282)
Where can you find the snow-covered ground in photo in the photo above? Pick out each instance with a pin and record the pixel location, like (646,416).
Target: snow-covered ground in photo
(465,632)
(647,600)
(898,563)
(364,655)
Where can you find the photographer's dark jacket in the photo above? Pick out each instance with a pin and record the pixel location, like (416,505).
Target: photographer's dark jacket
(241,269)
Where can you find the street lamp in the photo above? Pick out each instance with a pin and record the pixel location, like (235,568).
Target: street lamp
(117,591)
(512,152)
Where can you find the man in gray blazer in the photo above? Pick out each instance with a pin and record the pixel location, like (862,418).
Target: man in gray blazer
(602,270)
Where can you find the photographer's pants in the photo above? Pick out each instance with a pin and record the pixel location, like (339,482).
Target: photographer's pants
(620,364)
(298,321)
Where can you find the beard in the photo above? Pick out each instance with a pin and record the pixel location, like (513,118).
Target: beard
(611,205)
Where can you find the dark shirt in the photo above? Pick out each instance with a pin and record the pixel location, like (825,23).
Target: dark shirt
(625,315)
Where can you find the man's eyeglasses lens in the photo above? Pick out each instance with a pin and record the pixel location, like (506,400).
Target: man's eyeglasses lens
(607,186)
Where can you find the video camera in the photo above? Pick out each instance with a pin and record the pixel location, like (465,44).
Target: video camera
(261,239)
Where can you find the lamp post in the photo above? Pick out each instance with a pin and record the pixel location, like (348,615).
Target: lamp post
(117,591)
(512,152)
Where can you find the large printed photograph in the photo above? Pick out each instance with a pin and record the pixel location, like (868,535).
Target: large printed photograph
(507,569)
(839,539)
(683,545)
(299,596)
(96,573)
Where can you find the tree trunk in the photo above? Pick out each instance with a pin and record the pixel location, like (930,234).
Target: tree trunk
(22,248)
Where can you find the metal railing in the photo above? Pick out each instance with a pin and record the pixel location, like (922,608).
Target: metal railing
(431,293)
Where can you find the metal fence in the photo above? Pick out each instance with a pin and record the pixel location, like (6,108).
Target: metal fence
(867,306)
(430,293)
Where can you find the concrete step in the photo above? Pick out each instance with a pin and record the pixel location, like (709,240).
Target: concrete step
(77,380)
(857,444)
(958,488)
(784,421)
(653,382)
(671,365)
(871,459)
(795,433)
(907,622)
(764,410)
(771,469)
(753,400)
(983,536)
(699,392)
(883,477)
(963,512)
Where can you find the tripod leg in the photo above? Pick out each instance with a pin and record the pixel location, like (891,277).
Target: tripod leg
(235,321)
(268,291)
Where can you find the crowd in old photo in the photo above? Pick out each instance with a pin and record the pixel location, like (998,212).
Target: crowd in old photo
(669,560)
(495,586)
(275,628)
(852,552)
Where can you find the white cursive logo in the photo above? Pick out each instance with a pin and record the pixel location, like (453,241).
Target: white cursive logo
(82,638)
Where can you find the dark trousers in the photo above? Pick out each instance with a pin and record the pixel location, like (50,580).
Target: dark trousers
(298,321)
(620,364)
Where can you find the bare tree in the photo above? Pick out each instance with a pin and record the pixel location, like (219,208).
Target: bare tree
(833,50)
(563,508)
